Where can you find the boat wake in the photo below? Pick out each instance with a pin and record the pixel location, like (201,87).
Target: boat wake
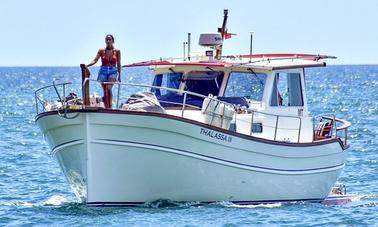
(55,200)
(366,200)
(251,206)
(168,204)
(59,201)
(22,204)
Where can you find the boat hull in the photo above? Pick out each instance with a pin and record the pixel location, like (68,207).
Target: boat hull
(129,158)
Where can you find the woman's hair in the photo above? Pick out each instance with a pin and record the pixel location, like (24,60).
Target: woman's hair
(111,36)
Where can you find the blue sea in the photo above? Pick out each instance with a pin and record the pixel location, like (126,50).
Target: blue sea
(33,190)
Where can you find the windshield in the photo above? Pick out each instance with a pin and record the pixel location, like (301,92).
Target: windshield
(204,83)
(246,84)
(169,80)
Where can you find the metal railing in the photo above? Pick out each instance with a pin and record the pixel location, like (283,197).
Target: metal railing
(343,127)
(243,60)
(63,110)
(277,119)
(184,105)
(39,101)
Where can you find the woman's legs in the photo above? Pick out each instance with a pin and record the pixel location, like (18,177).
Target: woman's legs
(106,85)
(109,96)
(105,97)
(109,93)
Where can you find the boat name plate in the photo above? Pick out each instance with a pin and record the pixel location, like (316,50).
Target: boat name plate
(216,135)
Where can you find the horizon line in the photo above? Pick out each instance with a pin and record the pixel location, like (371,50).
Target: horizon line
(71,66)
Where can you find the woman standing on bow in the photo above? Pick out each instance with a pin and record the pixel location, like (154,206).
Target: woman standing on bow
(110,70)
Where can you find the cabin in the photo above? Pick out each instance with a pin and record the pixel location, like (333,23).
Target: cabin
(268,92)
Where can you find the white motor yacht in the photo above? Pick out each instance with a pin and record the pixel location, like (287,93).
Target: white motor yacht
(209,128)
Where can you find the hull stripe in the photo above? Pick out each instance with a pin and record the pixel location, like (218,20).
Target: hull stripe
(331,200)
(66,144)
(209,202)
(218,160)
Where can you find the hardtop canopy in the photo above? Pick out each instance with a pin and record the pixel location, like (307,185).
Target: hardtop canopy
(256,61)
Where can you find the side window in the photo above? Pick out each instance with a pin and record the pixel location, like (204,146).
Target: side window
(287,90)
(169,80)
(243,84)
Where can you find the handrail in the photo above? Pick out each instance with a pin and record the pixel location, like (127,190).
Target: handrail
(157,87)
(269,59)
(345,124)
(52,85)
(184,103)
(260,57)
(189,93)
(344,127)
(37,98)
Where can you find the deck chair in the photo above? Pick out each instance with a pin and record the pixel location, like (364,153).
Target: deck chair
(324,130)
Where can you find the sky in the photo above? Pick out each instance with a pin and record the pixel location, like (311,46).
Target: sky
(69,32)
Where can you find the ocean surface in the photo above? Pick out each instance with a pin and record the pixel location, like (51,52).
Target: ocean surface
(33,190)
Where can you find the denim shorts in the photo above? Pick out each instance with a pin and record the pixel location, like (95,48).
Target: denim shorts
(106,73)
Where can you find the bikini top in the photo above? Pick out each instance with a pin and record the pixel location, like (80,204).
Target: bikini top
(106,60)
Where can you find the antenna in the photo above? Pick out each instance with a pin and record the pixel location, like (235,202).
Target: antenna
(222,30)
(189,46)
(250,47)
(184,47)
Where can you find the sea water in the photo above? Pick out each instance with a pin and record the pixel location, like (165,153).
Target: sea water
(33,190)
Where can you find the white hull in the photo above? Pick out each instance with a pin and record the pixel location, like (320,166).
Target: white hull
(128,158)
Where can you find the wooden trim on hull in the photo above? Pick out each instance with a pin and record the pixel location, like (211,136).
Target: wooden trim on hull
(167,116)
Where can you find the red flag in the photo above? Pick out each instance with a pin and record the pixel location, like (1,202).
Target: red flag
(228,35)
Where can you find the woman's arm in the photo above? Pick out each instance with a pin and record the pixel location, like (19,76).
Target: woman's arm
(94,61)
(119,66)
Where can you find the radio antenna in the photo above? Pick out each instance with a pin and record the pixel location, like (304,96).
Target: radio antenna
(222,30)
(189,46)
(184,47)
(250,48)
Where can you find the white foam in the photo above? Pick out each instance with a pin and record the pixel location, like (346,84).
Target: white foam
(23,204)
(356,198)
(263,205)
(55,200)
(251,206)
(18,204)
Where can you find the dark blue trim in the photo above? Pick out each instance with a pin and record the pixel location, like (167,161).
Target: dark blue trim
(72,141)
(107,204)
(335,199)
(129,204)
(291,170)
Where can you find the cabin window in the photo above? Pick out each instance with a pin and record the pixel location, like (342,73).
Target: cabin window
(169,80)
(204,83)
(287,90)
(246,84)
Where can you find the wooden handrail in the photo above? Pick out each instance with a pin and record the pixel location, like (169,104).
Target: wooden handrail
(85,74)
